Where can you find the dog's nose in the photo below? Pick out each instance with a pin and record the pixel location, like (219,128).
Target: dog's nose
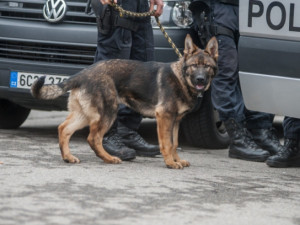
(200,79)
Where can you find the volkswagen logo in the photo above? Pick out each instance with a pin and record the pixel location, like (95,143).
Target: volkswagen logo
(54,10)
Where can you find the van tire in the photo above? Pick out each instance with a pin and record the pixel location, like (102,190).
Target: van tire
(12,115)
(203,128)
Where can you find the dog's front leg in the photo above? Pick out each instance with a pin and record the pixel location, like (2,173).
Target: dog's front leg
(165,123)
(175,144)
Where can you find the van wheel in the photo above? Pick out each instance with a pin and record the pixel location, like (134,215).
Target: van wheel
(203,128)
(12,115)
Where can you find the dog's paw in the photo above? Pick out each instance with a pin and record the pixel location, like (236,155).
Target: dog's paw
(71,159)
(113,160)
(116,160)
(175,165)
(185,163)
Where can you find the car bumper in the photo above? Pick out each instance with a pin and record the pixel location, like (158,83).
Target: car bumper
(23,97)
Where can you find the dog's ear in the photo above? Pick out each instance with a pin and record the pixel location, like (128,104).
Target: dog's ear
(189,46)
(212,48)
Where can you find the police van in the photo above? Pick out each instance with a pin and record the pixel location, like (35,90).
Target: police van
(269,54)
(34,43)
(57,38)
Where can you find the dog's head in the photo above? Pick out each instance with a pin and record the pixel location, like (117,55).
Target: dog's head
(200,66)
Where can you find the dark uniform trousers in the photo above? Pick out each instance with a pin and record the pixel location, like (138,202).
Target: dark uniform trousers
(226,92)
(122,43)
(291,128)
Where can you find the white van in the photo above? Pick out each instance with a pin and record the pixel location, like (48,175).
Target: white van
(269,54)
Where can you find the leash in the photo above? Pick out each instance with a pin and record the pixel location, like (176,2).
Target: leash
(145,14)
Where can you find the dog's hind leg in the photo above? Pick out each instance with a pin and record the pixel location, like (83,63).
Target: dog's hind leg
(97,130)
(74,121)
(175,144)
(165,123)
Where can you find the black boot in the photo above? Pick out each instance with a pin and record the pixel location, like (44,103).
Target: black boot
(133,140)
(112,143)
(267,139)
(288,156)
(242,145)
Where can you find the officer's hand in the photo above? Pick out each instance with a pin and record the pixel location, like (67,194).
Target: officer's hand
(107,2)
(159,7)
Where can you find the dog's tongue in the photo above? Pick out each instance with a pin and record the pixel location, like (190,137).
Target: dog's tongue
(199,86)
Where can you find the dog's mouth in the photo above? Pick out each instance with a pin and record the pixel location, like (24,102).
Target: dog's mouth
(200,87)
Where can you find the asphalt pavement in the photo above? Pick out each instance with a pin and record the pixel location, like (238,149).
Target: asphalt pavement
(37,187)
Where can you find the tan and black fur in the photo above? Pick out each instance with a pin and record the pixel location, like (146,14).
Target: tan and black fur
(166,91)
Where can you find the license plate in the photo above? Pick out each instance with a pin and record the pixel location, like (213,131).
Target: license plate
(25,80)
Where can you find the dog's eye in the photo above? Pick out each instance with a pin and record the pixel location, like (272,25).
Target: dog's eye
(206,66)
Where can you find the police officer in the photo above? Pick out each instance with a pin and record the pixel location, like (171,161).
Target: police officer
(126,38)
(290,153)
(251,133)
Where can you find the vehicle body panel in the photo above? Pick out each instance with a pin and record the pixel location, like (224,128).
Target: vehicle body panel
(269,50)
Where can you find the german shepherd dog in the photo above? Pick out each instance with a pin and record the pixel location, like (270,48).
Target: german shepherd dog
(166,91)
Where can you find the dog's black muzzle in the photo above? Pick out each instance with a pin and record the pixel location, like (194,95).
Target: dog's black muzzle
(200,82)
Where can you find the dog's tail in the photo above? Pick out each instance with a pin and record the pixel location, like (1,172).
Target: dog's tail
(40,90)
